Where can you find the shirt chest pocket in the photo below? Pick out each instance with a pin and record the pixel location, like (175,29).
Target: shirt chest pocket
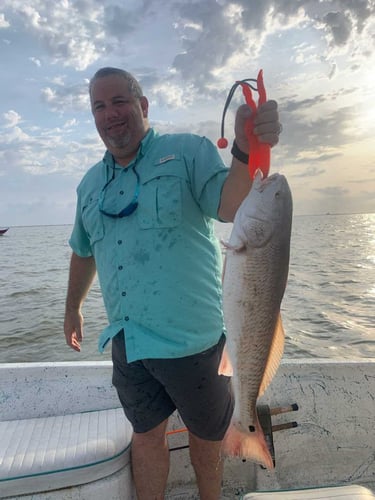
(92,219)
(160,197)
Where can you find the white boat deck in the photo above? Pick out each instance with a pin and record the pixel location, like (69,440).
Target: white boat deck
(333,444)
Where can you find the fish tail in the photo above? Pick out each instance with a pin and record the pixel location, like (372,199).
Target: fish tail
(247,445)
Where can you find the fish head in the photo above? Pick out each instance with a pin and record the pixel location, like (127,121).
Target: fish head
(271,197)
(267,207)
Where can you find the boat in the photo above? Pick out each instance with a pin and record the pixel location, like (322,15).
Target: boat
(3,230)
(63,435)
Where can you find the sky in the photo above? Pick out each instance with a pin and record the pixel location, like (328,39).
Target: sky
(317,57)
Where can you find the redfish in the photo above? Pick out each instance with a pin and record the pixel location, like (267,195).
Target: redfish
(254,280)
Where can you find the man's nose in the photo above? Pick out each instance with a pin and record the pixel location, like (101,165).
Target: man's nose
(111,112)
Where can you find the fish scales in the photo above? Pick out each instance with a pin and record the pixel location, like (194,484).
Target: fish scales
(254,281)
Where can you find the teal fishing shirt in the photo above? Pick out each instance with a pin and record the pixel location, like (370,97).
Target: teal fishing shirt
(159,268)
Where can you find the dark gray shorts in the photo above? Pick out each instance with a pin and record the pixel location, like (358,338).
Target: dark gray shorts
(151,390)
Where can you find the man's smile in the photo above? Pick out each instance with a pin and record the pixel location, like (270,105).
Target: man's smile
(115,126)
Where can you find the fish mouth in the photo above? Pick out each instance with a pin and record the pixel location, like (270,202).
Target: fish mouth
(277,178)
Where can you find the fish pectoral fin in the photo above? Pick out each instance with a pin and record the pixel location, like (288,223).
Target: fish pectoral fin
(274,356)
(225,366)
(258,232)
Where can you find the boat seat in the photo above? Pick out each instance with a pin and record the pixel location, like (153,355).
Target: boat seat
(42,454)
(351,492)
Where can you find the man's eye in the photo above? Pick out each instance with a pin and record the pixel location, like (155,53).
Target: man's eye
(98,107)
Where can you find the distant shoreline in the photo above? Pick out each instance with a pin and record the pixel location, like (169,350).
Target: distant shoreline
(327,214)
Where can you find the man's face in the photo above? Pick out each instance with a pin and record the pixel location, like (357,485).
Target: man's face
(120,118)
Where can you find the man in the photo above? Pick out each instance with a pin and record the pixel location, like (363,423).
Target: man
(144,223)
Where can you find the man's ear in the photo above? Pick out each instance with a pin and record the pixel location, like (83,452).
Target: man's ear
(144,106)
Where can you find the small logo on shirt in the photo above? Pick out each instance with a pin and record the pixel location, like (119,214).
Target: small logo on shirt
(166,158)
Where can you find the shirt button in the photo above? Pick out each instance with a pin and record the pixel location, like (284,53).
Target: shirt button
(119,242)
(123,294)
(121,192)
(126,318)
(120,268)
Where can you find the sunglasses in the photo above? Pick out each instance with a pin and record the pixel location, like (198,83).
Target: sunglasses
(129,209)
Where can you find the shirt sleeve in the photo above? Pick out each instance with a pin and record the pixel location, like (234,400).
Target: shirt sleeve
(208,174)
(79,240)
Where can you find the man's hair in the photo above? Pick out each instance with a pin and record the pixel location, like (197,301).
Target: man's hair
(134,87)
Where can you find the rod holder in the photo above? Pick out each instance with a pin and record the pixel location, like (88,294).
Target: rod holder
(264,416)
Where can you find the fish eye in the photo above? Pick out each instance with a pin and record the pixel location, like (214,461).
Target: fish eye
(277,194)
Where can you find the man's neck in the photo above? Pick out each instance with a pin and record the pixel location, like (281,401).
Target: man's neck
(123,158)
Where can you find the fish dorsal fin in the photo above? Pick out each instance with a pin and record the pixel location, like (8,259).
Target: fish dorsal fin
(274,356)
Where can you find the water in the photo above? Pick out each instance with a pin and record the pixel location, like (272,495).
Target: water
(328,308)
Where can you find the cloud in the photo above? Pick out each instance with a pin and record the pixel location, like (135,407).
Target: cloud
(43,151)
(187,56)
(364,180)
(339,25)
(211,36)
(3,22)
(167,93)
(333,191)
(82,40)
(294,104)
(208,47)
(14,138)
(315,129)
(28,199)
(120,21)
(70,123)
(64,97)
(36,61)
(215,35)
(309,172)
(91,30)
(333,71)
(12,118)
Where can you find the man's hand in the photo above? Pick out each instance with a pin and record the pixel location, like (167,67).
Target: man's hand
(267,128)
(73,329)
(266,125)
(81,275)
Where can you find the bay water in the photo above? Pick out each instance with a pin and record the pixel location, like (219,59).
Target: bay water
(328,309)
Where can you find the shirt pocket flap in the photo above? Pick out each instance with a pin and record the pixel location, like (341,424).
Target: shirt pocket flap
(160,197)
(170,165)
